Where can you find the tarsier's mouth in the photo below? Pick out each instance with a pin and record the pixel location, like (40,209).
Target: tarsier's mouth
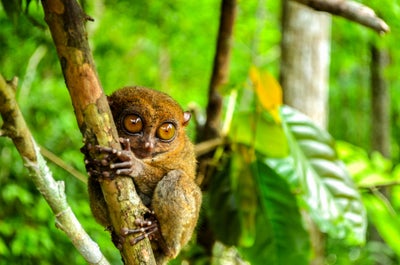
(144,155)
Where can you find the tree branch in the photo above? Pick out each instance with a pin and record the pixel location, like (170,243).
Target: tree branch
(220,70)
(351,10)
(53,191)
(66,19)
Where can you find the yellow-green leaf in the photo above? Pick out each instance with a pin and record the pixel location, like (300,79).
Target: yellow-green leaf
(268,90)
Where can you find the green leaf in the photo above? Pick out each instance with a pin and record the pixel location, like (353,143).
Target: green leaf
(221,205)
(233,200)
(4,251)
(325,186)
(386,221)
(288,242)
(253,208)
(244,188)
(12,8)
(366,171)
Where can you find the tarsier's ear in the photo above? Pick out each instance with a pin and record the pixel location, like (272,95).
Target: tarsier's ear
(186,118)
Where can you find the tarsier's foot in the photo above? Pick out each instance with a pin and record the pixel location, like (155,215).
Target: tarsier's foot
(147,227)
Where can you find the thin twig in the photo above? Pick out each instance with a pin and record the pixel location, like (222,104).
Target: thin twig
(208,146)
(379,186)
(59,162)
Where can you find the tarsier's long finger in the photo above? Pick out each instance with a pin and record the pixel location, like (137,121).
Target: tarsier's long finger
(127,164)
(126,144)
(106,149)
(124,155)
(124,171)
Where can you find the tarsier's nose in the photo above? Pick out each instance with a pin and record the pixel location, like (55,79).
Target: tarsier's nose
(149,145)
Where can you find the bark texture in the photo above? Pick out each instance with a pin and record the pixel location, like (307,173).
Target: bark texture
(220,69)
(66,21)
(305,49)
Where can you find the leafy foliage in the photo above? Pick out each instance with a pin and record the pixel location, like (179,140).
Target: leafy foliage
(369,173)
(253,208)
(255,191)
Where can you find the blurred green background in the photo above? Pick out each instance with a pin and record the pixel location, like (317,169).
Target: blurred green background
(168,45)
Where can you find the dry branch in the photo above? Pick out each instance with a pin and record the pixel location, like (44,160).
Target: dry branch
(351,10)
(53,191)
(66,21)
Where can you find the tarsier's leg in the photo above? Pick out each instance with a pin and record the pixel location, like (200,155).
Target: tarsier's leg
(176,204)
(97,203)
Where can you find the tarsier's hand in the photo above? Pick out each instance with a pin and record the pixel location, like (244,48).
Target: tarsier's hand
(113,162)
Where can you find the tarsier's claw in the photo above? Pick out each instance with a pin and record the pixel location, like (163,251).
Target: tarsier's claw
(146,228)
(106,174)
(126,144)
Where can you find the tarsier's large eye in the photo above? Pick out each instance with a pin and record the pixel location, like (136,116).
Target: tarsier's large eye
(133,123)
(166,131)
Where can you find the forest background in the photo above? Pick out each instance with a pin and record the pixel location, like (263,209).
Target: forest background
(170,46)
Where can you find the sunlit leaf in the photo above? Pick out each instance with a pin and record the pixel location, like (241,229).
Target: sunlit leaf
(268,90)
(385,220)
(244,188)
(323,181)
(4,251)
(366,171)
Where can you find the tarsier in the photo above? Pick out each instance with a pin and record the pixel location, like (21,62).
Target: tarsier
(159,157)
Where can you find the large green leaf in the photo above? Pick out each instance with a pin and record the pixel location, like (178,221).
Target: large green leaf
(221,205)
(288,242)
(324,184)
(253,208)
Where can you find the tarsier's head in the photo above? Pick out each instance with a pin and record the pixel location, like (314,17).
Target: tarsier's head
(152,120)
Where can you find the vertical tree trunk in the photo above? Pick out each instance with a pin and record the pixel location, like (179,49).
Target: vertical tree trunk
(212,125)
(380,101)
(220,69)
(380,106)
(305,49)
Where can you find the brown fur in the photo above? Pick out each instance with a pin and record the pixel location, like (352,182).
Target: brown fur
(163,174)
